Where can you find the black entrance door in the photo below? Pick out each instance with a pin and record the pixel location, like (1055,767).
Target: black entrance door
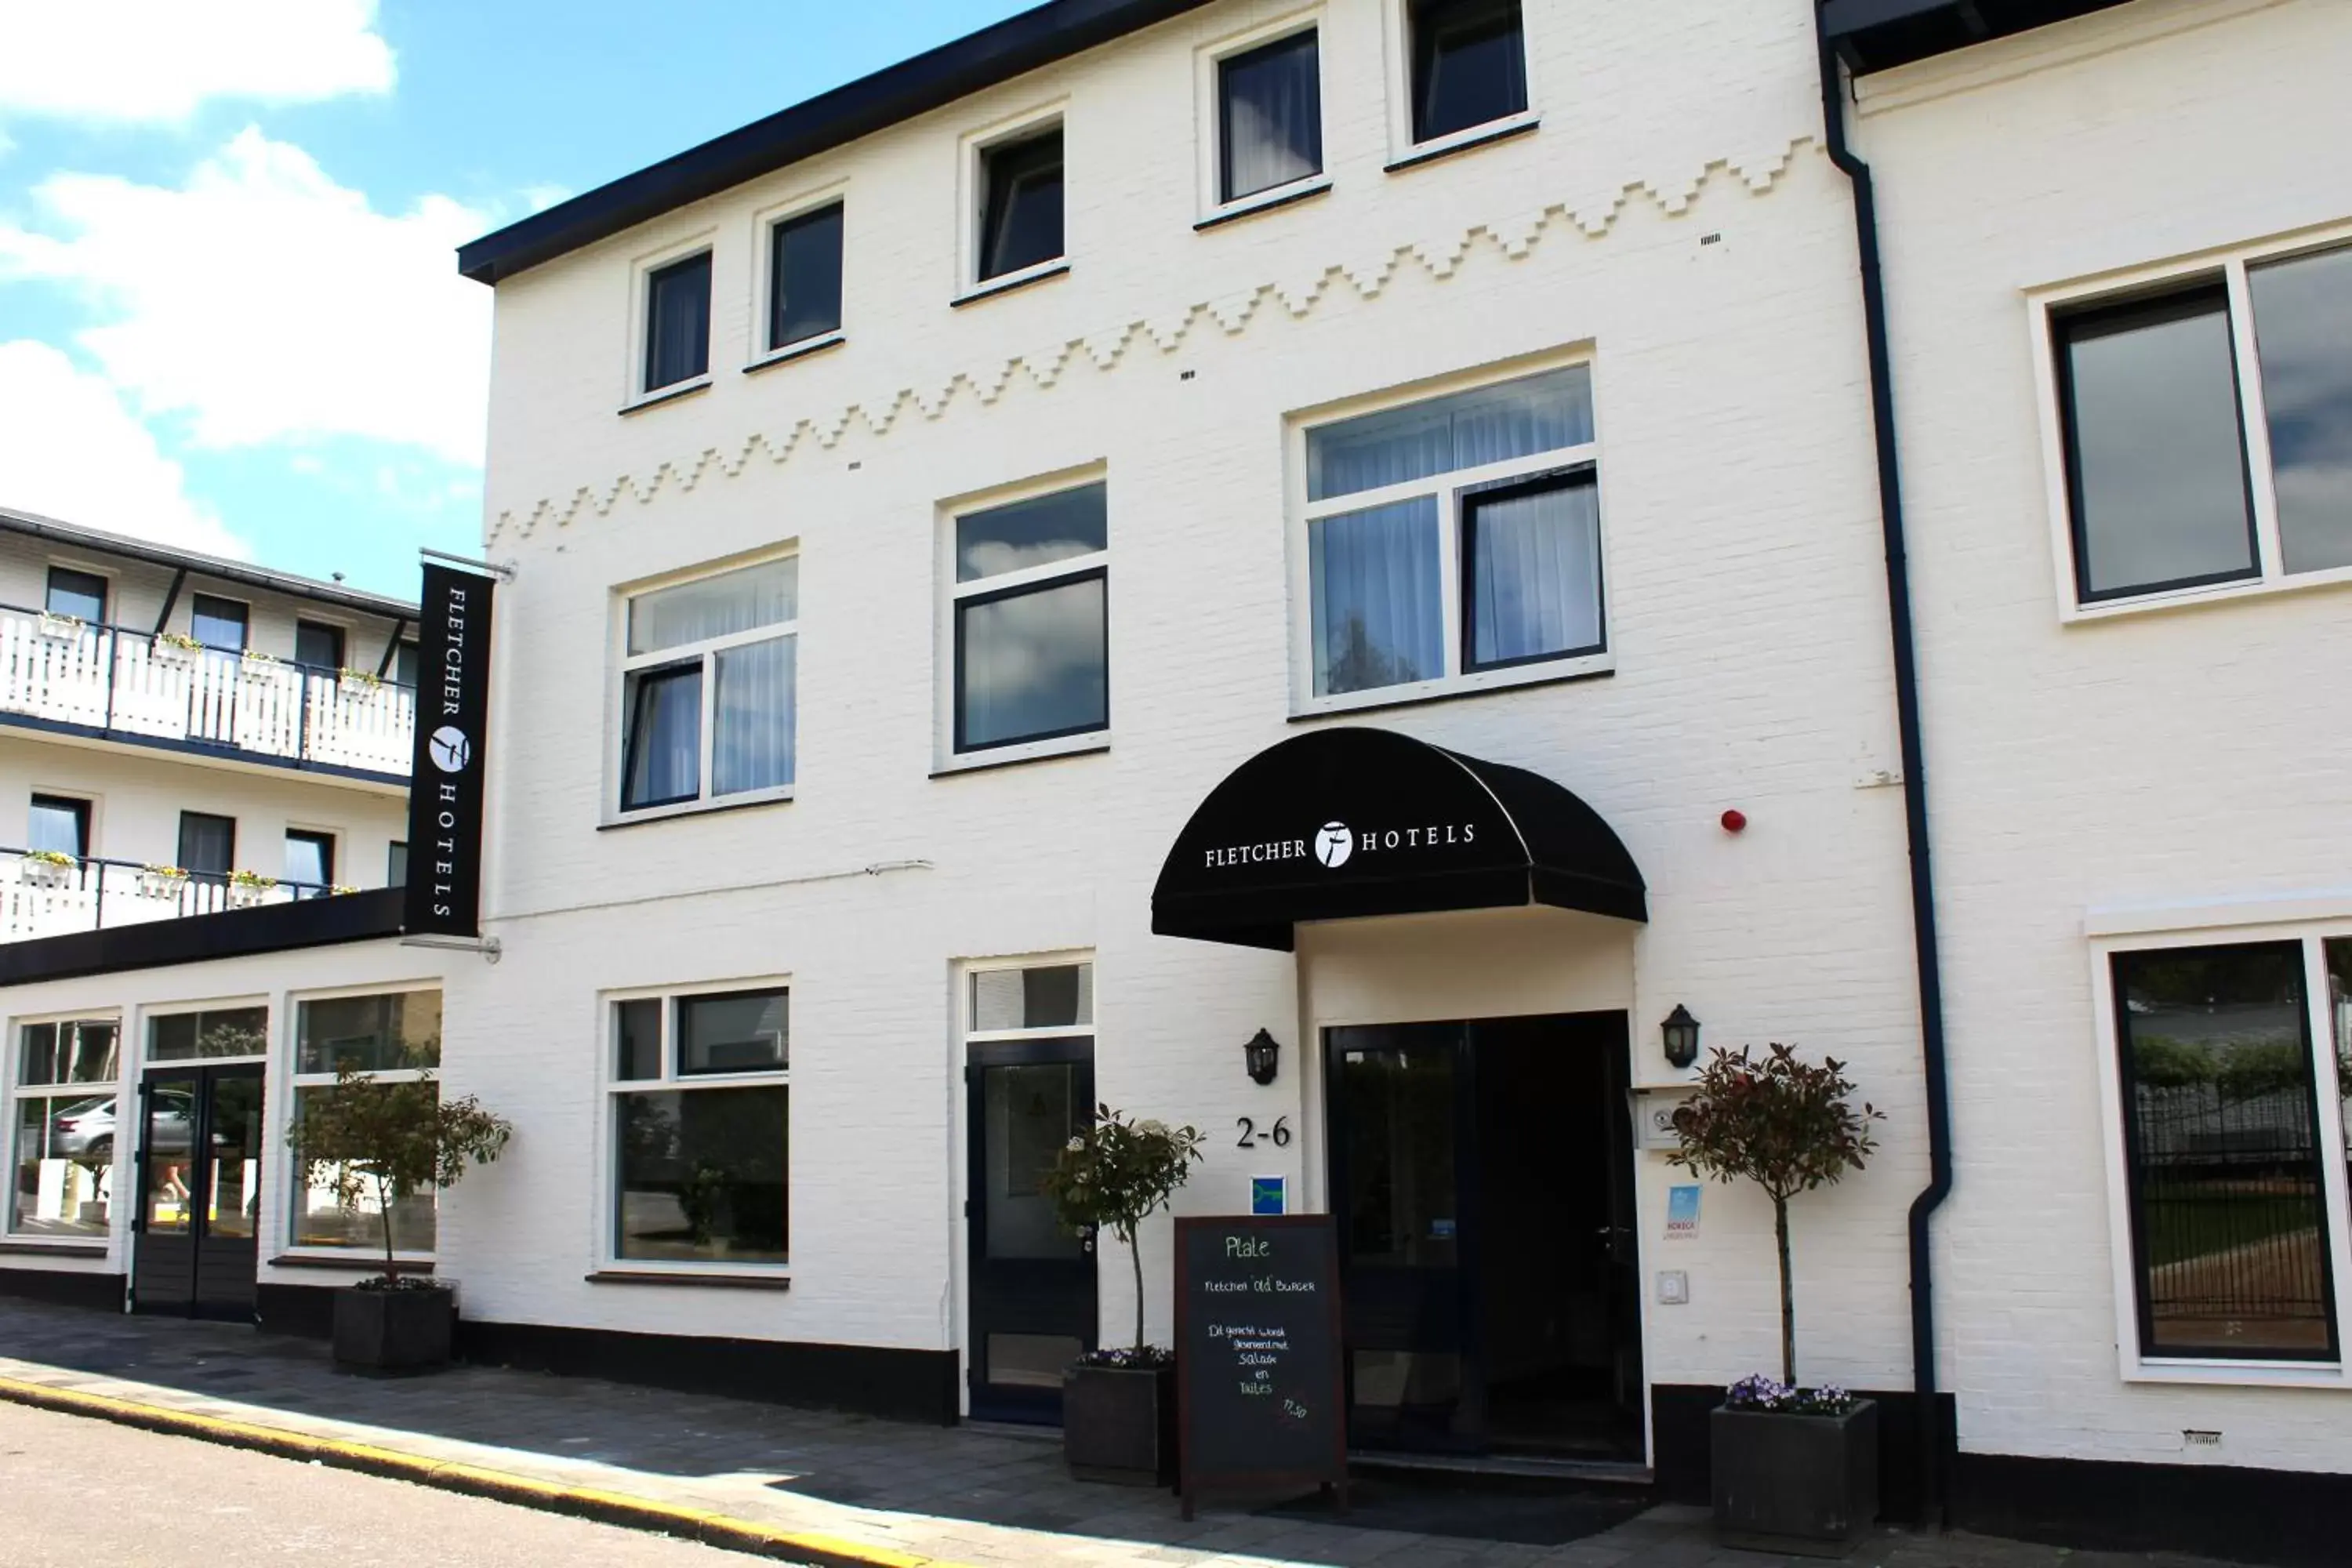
(199,1192)
(1483,1176)
(1032,1285)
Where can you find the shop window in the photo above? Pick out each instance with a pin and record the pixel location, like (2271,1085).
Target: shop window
(677,323)
(78,596)
(1031,609)
(1021,203)
(1469,65)
(392,1037)
(68,1130)
(1269,116)
(208,1033)
(2208,428)
(1456,536)
(804,268)
(2229,1186)
(701,1128)
(709,702)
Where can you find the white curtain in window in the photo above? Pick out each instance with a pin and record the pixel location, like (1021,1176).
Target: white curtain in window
(1273,117)
(1535,569)
(1491,424)
(751,745)
(1378,616)
(764,595)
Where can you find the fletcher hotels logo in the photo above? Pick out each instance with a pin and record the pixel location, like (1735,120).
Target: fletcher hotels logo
(1335,844)
(450,748)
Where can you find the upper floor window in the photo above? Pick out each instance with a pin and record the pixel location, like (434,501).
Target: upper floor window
(2207,427)
(310,861)
(1031,609)
(1269,116)
(219,623)
(207,844)
(677,323)
(60,825)
(708,702)
(318,644)
(804,277)
(1454,537)
(80,594)
(1469,65)
(1021,203)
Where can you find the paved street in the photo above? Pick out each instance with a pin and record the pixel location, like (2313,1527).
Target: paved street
(964,1496)
(75,1493)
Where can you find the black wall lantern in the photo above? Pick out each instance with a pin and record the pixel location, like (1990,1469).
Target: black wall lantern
(1682,1037)
(1261,1056)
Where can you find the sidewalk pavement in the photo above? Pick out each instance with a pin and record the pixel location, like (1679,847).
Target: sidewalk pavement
(832,1488)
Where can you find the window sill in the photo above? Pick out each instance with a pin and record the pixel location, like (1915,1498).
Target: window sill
(348,1263)
(1011,282)
(2074,611)
(805,349)
(1266,201)
(1551,673)
(666,395)
(712,1282)
(2240,1374)
(1485,135)
(696,808)
(1032,752)
(17,1248)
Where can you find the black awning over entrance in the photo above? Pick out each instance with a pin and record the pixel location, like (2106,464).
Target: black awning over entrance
(1346,822)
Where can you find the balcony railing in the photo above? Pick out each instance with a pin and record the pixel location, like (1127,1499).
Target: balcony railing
(133,684)
(39,896)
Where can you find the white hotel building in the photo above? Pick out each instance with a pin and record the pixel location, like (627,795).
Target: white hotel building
(1400,525)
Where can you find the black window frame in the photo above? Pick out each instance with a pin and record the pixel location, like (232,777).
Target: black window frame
(1310,35)
(103,596)
(198,613)
(396,863)
(1420,57)
(779,232)
(656,297)
(409,654)
(189,817)
(1000,177)
(632,732)
(326,843)
(2179,301)
(1575,476)
(76,806)
(2144,1306)
(305,627)
(1022,590)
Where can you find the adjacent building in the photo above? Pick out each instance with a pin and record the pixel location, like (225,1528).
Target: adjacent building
(1396,531)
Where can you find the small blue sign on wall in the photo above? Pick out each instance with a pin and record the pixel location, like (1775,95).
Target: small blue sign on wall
(1682,1212)
(1267,1194)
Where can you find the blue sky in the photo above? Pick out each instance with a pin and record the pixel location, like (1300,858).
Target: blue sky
(229,313)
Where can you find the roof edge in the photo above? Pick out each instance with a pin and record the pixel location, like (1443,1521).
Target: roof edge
(33,525)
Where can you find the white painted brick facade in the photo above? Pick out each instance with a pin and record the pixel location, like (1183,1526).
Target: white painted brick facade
(2170,756)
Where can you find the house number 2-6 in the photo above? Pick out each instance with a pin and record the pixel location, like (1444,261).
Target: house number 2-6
(1279,1135)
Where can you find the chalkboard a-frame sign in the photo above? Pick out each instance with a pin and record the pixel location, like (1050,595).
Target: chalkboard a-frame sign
(1260,1404)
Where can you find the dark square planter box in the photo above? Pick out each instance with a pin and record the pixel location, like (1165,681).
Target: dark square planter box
(1806,1484)
(1118,1424)
(393,1331)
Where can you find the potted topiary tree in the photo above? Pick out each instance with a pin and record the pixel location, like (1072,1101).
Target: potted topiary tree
(1795,1469)
(1119,1406)
(389,1141)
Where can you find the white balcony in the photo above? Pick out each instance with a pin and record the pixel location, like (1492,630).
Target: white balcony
(133,685)
(49,895)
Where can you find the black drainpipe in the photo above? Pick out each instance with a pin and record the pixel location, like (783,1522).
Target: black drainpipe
(1914,793)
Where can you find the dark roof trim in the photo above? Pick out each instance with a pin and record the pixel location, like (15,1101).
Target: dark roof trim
(1876,35)
(199,939)
(33,525)
(1013,48)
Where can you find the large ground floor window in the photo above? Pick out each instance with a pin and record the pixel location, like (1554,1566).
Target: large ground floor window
(2233,1062)
(390,1036)
(702,1127)
(66,1128)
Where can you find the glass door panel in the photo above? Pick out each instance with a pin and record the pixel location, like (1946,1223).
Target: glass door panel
(1033,1284)
(234,1156)
(168,1142)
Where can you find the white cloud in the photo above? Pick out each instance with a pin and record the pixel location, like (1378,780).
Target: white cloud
(266,302)
(155,61)
(75,454)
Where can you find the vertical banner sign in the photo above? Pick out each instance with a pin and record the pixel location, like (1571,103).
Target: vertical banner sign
(444,781)
(1259,1398)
